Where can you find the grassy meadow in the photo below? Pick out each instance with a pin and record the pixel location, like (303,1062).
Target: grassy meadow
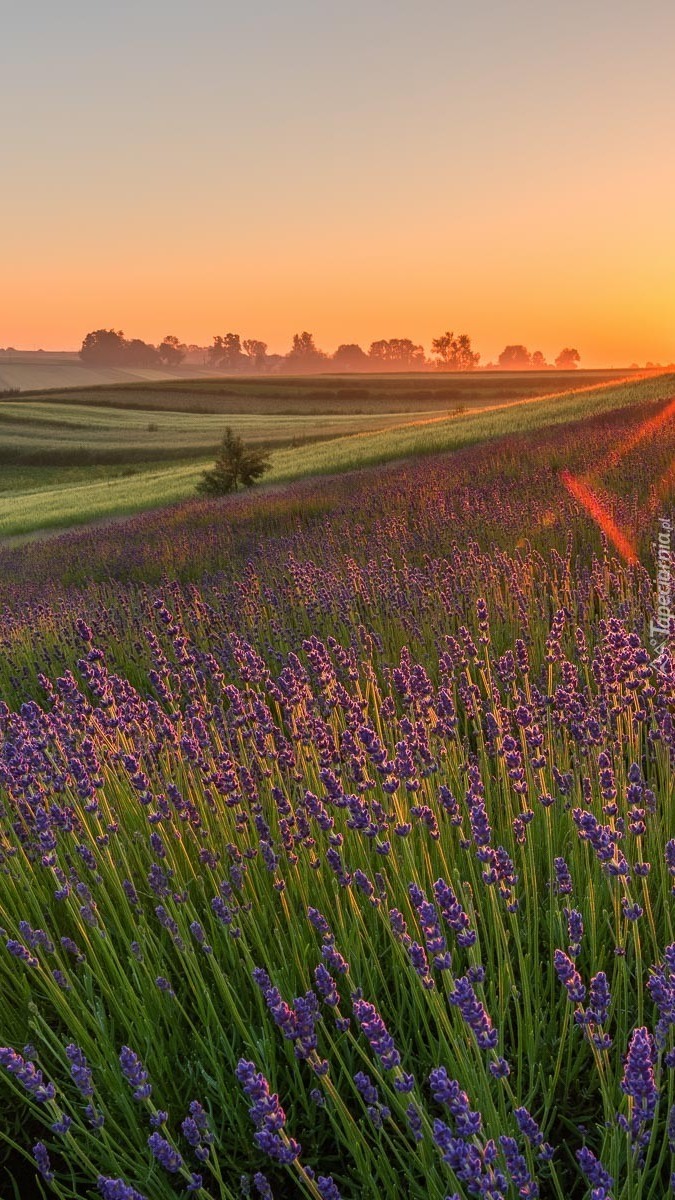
(156,458)
(35,433)
(337,832)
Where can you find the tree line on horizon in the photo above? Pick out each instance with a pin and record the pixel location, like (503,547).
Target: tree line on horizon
(231,353)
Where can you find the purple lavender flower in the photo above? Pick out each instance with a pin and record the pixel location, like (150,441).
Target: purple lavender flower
(80,1072)
(420,963)
(166,1154)
(319,922)
(325,985)
(195,1129)
(96,1120)
(200,937)
(447,1091)
(473,1165)
(41,1155)
(116,1189)
(414,1119)
(366,1087)
(307,1016)
(18,950)
(632,912)
(404,1083)
(500,1069)
(429,921)
(474,1013)
(518,1169)
(528,1126)
(638,1078)
(70,946)
(594,1171)
(262,1187)
(661,987)
(27,1075)
(381,1042)
(267,1114)
(134,1072)
(328,1190)
(36,937)
(453,913)
(599,998)
(569,977)
(334,959)
(575,931)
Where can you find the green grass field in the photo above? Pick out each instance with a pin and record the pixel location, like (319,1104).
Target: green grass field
(47,498)
(33,432)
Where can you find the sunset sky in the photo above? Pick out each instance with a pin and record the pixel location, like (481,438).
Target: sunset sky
(358,168)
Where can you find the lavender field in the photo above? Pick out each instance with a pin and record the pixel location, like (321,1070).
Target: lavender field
(337,837)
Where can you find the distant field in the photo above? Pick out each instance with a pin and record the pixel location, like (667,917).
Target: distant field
(330,394)
(172,421)
(33,432)
(35,370)
(83,496)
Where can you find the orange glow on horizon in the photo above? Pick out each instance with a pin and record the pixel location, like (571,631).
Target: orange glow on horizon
(314,171)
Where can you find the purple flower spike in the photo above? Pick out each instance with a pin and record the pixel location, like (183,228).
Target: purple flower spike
(328,1190)
(474,1013)
(638,1078)
(134,1072)
(267,1114)
(80,1072)
(376,1031)
(563,879)
(27,1075)
(44,1166)
(518,1169)
(164,1152)
(116,1189)
(262,1187)
(569,977)
(528,1126)
(447,1091)
(594,1171)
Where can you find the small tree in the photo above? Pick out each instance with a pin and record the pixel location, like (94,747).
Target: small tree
(454,353)
(106,347)
(515,358)
(350,357)
(171,351)
(226,352)
(304,354)
(397,354)
(257,353)
(568,359)
(236,466)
